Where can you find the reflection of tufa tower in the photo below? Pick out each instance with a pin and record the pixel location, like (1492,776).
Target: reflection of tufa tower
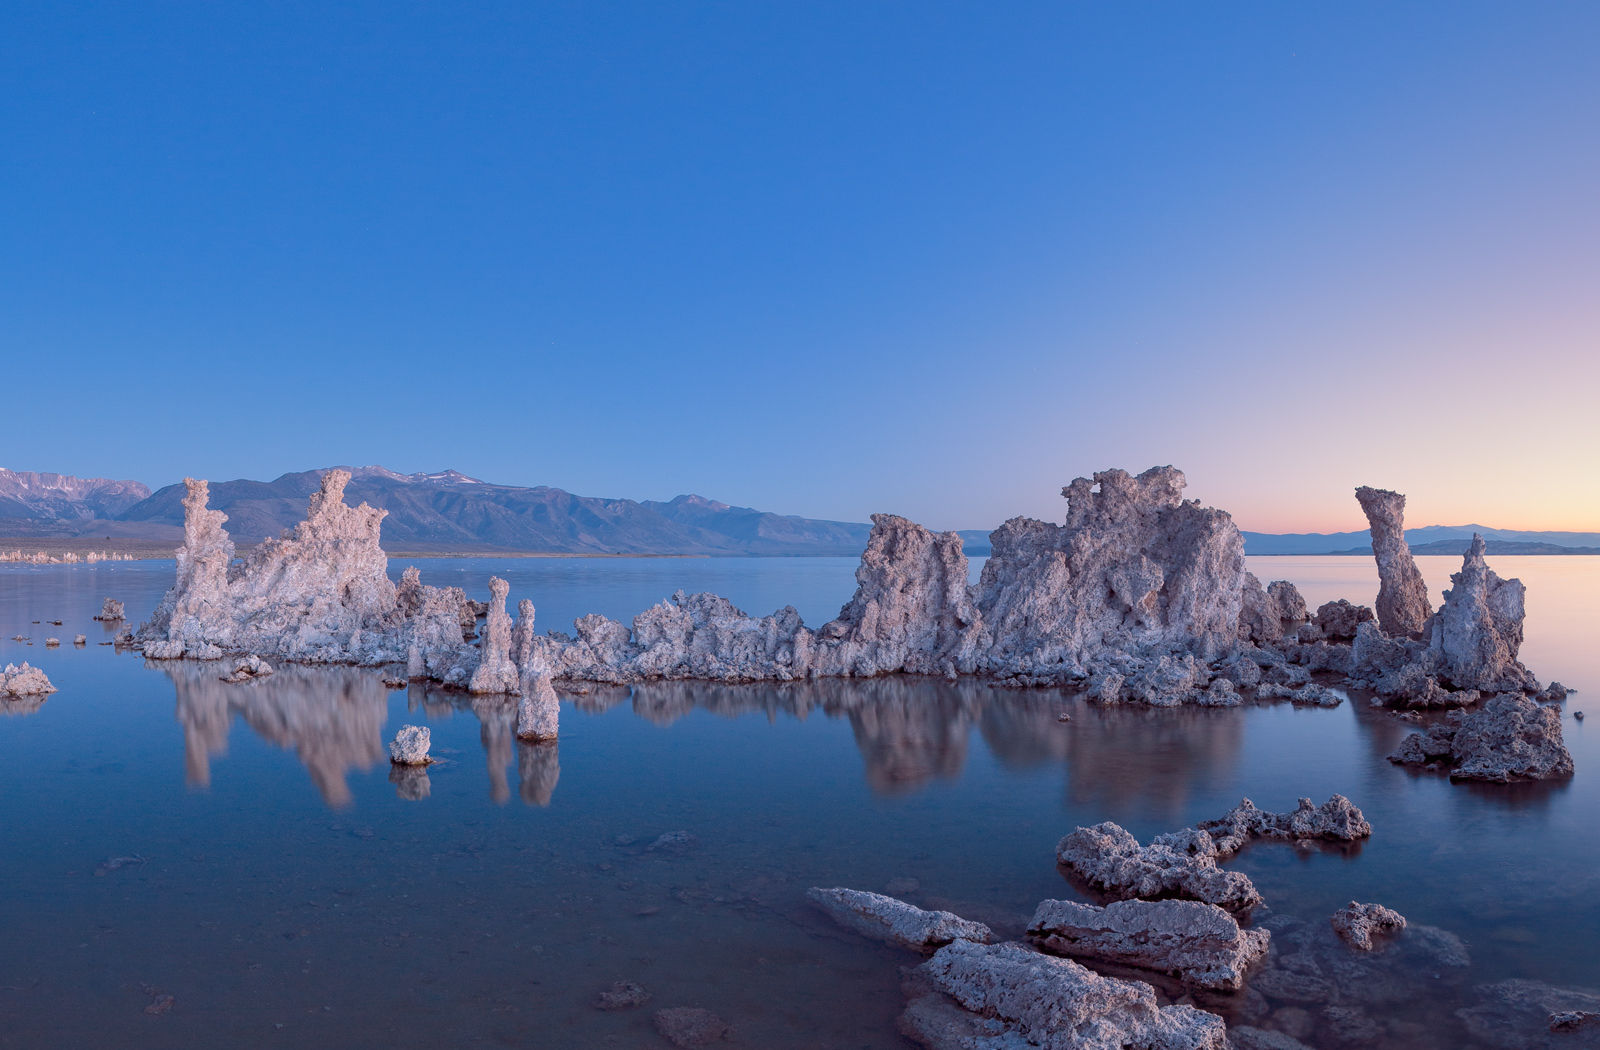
(332,717)
(538,767)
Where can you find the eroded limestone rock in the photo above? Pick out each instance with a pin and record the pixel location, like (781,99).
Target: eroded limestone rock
(1111,860)
(1012,997)
(1269,614)
(1477,633)
(251,667)
(110,610)
(1523,1015)
(1339,620)
(539,710)
(887,919)
(410,746)
(1402,595)
(1511,738)
(1336,820)
(1200,944)
(496,672)
(24,680)
(1356,923)
(690,1027)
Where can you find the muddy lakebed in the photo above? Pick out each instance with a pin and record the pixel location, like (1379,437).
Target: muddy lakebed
(195,864)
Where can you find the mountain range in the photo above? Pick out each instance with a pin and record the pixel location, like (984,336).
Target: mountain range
(447,511)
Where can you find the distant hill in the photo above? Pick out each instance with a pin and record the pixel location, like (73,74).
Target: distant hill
(449,511)
(25,494)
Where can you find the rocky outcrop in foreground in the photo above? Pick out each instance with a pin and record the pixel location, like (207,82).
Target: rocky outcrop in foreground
(1005,995)
(1200,944)
(1511,738)
(111,611)
(887,919)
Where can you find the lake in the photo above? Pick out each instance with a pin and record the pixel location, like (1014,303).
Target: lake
(247,851)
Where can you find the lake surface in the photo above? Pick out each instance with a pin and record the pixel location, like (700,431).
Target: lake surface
(285,892)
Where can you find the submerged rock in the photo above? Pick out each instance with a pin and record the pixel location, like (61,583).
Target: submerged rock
(690,1026)
(1524,1015)
(111,610)
(887,919)
(1402,595)
(622,995)
(410,746)
(1511,738)
(1111,860)
(24,680)
(1005,995)
(1356,923)
(1200,944)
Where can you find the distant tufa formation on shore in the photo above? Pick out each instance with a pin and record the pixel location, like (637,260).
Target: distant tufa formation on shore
(66,558)
(1140,596)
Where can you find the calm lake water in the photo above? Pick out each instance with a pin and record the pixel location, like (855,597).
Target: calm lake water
(285,892)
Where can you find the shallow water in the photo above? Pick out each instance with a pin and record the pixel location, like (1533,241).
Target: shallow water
(284,891)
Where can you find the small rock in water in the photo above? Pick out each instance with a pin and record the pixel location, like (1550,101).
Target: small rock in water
(115,863)
(79,639)
(673,842)
(160,1004)
(1578,715)
(622,995)
(51,643)
(396,683)
(410,746)
(56,623)
(1063,717)
(690,1026)
(1356,923)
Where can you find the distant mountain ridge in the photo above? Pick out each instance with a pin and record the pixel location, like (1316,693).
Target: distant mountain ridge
(448,511)
(30,495)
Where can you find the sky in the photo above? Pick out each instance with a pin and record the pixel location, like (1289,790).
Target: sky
(817,258)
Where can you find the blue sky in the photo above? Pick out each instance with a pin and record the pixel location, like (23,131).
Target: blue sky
(817,258)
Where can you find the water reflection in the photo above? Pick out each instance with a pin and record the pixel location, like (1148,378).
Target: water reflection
(332,717)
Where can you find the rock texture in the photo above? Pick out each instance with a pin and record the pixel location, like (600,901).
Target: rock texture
(318,594)
(410,746)
(1336,820)
(496,672)
(1200,944)
(1339,620)
(539,710)
(251,667)
(1011,997)
(1356,923)
(1511,738)
(1402,595)
(886,919)
(1112,861)
(1528,1015)
(17,681)
(690,1026)
(111,610)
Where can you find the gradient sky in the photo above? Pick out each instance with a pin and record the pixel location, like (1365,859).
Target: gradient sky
(818,258)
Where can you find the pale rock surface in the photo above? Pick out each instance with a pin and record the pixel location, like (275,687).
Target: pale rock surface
(318,594)
(690,1027)
(410,746)
(24,681)
(251,667)
(538,710)
(1269,614)
(80,639)
(111,610)
(1136,571)
(1110,859)
(1017,998)
(496,673)
(1402,594)
(887,919)
(1510,738)
(1338,620)
(1336,820)
(1200,944)
(1356,923)
(1477,632)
